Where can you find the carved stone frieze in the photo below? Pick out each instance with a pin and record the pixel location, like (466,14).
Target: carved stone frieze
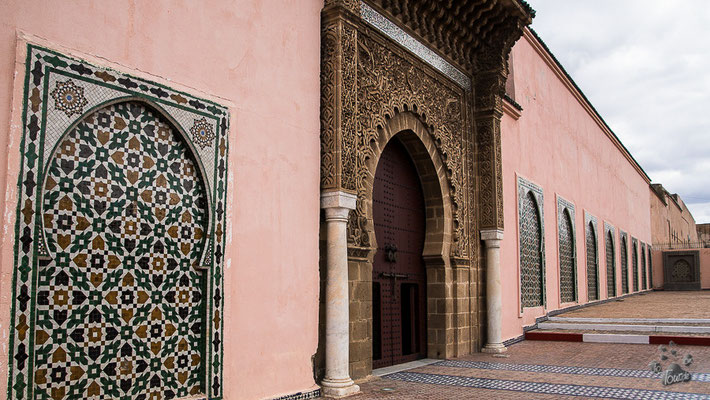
(328,148)
(338,104)
(350,5)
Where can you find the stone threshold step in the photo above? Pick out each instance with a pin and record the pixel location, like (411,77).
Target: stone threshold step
(623,327)
(633,320)
(617,338)
(403,367)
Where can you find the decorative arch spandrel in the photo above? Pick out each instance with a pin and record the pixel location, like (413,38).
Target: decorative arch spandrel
(390,82)
(60,93)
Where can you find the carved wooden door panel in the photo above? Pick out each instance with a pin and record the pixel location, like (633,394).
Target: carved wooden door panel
(398,273)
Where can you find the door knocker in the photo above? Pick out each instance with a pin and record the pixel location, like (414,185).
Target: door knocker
(390,253)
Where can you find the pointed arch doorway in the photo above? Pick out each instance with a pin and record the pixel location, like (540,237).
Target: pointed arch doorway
(398,273)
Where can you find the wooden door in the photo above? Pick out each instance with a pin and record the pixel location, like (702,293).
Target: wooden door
(398,273)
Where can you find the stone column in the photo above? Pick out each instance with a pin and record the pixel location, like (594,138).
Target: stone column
(494,301)
(337,382)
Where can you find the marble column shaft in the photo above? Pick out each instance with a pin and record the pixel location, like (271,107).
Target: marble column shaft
(337,382)
(494,291)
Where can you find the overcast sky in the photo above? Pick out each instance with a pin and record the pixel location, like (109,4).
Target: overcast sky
(644,66)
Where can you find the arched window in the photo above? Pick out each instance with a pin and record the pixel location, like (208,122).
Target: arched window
(592,279)
(650,268)
(531,253)
(610,265)
(635,264)
(624,266)
(644,283)
(568,284)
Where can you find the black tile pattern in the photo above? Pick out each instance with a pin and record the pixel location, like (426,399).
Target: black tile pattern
(544,388)
(313,394)
(564,369)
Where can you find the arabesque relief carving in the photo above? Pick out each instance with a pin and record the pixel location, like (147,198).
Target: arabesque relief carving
(390,82)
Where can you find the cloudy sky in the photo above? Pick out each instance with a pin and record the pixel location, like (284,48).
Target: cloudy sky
(645,66)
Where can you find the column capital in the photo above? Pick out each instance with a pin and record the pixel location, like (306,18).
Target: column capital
(338,199)
(488,235)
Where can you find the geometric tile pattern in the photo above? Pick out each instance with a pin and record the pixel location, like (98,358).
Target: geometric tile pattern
(90,304)
(314,394)
(567,251)
(635,263)
(120,302)
(624,263)
(562,369)
(592,257)
(541,387)
(532,274)
(644,278)
(610,262)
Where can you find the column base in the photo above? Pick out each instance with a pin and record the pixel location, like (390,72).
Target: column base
(494,348)
(339,388)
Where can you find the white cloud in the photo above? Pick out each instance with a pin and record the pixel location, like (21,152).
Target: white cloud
(644,66)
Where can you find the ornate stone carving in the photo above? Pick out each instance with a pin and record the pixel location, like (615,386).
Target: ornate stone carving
(490,171)
(328,150)
(490,71)
(350,5)
(348,44)
(389,81)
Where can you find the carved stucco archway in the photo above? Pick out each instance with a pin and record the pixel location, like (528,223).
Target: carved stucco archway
(415,136)
(372,88)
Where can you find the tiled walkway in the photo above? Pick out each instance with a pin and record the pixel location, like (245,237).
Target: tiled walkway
(549,370)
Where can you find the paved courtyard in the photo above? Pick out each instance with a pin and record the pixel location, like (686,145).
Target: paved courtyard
(657,304)
(550,370)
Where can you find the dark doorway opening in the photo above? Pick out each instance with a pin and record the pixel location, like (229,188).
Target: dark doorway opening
(398,273)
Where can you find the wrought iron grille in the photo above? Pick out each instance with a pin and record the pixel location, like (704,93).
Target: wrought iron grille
(567,278)
(592,284)
(624,267)
(681,272)
(531,278)
(610,267)
(635,268)
(643,269)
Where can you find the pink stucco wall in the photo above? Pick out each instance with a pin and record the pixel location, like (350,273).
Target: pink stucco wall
(261,58)
(705,268)
(558,144)
(657,256)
